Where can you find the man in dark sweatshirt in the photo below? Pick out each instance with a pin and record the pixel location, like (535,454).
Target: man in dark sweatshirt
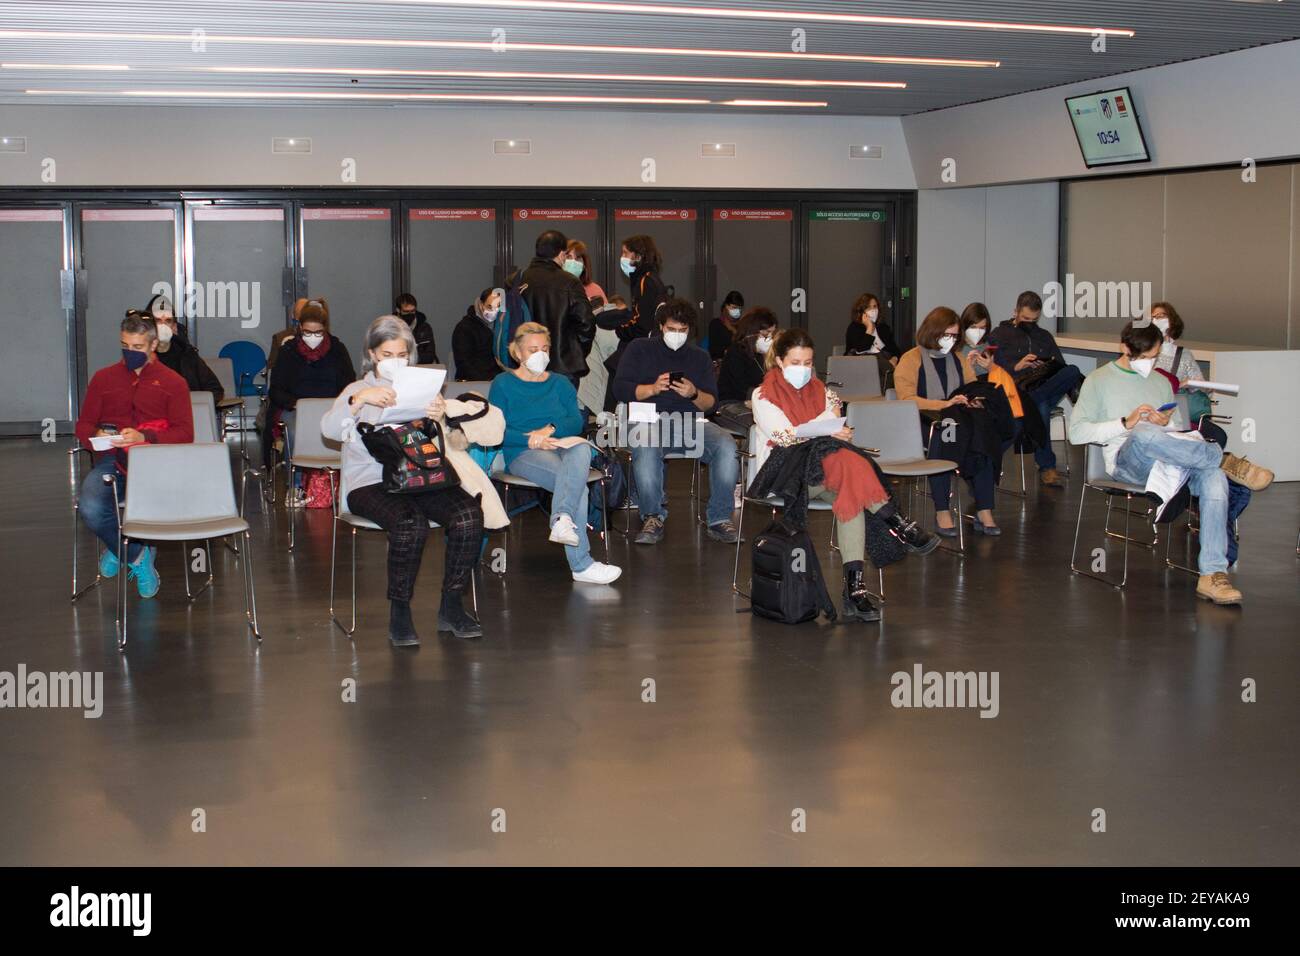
(1022,346)
(677,377)
(177,352)
(407,308)
(471,340)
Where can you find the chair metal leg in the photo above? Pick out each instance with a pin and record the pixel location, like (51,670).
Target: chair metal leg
(333,616)
(250,605)
(1078,522)
(1169,538)
(292,511)
(185,556)
(604,514)
(1155,533)
(735,571)
(76,594)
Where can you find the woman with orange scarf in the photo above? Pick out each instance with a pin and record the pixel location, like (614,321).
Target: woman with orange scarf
(791,394)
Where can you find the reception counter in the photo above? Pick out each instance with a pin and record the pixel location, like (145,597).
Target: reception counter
(1265,425)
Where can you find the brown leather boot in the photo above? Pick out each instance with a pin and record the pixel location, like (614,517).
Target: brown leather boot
(1051,477)
(1218,588)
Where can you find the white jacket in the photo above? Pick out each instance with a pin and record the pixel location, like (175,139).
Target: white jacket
(775,429)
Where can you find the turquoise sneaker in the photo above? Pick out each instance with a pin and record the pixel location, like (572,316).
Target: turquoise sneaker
(108,564)
(146,577)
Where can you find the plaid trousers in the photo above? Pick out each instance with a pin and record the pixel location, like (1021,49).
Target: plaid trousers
(406,519)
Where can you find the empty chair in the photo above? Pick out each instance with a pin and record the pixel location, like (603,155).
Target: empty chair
(224,370)
(311,449)
(854,376)
(205,417)
(248,360)
(183,493)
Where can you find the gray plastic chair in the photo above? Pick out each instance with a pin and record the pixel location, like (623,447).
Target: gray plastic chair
(182,493)
(224,370)
(894,429)
(345,516)
(204,409)
(749,468)
(457,389)
(857,376)
(1096,479)
(311,449)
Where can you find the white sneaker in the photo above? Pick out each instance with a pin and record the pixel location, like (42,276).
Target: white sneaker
(564,531)
(295,498)
(598,574)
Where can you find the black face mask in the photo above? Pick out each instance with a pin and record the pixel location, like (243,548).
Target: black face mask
(407,317)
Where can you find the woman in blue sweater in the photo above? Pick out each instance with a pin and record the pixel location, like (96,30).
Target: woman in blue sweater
(541,412)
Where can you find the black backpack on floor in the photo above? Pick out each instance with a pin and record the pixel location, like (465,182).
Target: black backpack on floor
(786,583)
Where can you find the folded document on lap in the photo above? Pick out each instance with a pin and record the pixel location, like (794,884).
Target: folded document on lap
(1166,480)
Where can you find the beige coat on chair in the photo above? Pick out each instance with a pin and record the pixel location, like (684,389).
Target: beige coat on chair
(487,431)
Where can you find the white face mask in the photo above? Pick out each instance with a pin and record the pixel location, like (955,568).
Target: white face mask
(797,375)
(674,340)
(627,265)
(762,344)
(872,314)
(313,339)
(1142,366)
(733,312)
(387,368)
(1162,324)
(946,342)
(973,336)
(537,362)
(490,315)
(164,333)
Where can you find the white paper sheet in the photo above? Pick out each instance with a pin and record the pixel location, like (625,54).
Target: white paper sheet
(571,441)
(1164,480)
(819,427)
(642,412)
(102,442)
(1214,386)
(416,388)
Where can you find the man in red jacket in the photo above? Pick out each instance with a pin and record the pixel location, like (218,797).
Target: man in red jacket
(137,400)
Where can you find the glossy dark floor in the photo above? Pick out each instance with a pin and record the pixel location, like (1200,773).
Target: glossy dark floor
(1126,702)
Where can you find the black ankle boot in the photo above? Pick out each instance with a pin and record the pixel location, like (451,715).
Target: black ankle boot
(915,538)
(857,602)
(452,616)
(401,629)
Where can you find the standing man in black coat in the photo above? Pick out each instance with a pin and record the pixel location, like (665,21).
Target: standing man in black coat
(558,301)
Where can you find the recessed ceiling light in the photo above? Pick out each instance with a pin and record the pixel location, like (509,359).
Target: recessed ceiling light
(742,14)
(492,46)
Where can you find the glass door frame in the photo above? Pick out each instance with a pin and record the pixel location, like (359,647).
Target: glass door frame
(712,301)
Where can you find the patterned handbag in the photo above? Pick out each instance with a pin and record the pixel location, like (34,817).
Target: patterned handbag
(413,460)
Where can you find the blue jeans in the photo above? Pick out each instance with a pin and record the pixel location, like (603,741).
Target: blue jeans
(718,452)
(97,510)
(564,474)
(1149,444)
(1046,397)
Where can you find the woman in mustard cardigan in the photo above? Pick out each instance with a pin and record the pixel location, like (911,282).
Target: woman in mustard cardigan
(928,375)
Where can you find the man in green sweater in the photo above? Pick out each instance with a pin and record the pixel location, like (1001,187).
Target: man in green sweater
(1119,408)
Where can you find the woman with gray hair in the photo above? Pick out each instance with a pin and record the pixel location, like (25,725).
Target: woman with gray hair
(389,346)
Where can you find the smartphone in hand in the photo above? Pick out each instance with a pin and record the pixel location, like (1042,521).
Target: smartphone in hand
(675,377)
(1167,407)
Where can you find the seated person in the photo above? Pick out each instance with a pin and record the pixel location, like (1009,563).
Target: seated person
(790,395)
(178,354)
(723,327)
(280,337)
(389,345)
(313,364)
(867,336)
(1119,409)
(1179,366)
(138,400)
(471,340)
(929,375)
(975,325)
(407,309)
(743,368)
(677,377)
(1027,351)
(540,408)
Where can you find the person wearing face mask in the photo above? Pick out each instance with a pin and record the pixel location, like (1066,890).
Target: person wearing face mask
(407,309)
(462,511)
(723,327)
(743,368)
(178,354)
(866,334)
(312,364)
(1119,409)
(973,344)
(593,388)
(137,400)
(677,377)
(556,300)
(1030,353)
(791,395)
(577,263)
(471,340)
(541,410)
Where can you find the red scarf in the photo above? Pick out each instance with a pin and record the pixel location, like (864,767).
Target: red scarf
(799,405)
(313,354)
(848,474)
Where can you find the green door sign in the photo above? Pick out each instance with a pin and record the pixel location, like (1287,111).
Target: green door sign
(847,215)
